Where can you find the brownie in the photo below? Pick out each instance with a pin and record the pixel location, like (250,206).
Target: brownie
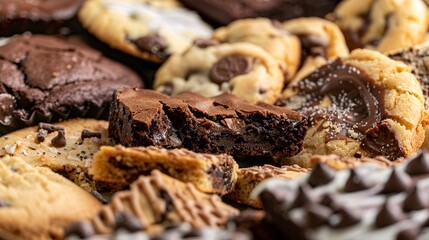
(37,16)
(225,11)
(222,124)
(47,79)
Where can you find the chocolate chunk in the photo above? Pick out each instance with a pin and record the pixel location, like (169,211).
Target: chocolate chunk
(229,67)
(419,164)
(7,106)
(389,214)
(317,215)
(128,222)
(321,175)
(41,135)
(417,199)
(50,128)
(88,134)
(398,182)
(222,124)
(331,201)
(356,182)
(347,219)
(82,229)
(313,46)
(410,233)
(205,43)
(153,43)
(59,140)
(303,197)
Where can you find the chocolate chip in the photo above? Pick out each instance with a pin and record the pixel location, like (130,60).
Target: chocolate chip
(41,135)
(416,200)
(321,175)
(59,140)
(356,182)
(205,43)
(303,197)
(128,222)
(317,215)
(408,234)
(419,164)
(88,134)
(389,214)
(347,219)
(229,67)
(82,229)
(49,127)
(153,43)
(398,182)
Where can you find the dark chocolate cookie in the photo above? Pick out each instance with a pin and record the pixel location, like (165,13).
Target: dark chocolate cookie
(37,16)
(47,79)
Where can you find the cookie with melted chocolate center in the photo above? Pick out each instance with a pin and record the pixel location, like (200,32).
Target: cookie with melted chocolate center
(241,68)
(383,25)
(366,104)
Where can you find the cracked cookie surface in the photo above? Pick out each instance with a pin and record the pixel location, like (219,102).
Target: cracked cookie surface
(383,25)
(45,79)
(366,104)
(210,69)
(148,29)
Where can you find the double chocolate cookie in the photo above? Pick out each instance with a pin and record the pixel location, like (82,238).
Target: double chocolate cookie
(223,124)
(382,25)
(223,12)
(210,69)
(37,16)
(45,79)
(148,29)
(365,105)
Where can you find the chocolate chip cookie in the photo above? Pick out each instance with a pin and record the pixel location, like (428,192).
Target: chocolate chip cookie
(148,29)
(321,41)
(366,104)
(383,25)
(46,79)
(243,69)
(36,203)
(209,173)
(269,35)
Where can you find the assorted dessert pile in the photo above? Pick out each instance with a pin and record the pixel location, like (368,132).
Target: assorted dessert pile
(211,119)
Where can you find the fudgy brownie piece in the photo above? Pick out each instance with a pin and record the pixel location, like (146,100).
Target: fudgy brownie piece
(37,16)
(226,11)
(222,124)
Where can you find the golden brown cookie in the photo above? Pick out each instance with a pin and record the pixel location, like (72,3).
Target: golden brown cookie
(382,25)
(417,58)
(148,29)
(36,203)
(341,163)
(281,45)
(321,41)
(249,178)
(243,69)
(60,147)
(209,173)
(366,104)
(156,200)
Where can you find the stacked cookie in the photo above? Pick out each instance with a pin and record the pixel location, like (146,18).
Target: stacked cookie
(156,119)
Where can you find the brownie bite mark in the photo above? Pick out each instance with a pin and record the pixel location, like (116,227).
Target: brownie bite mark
(54,79)
(37,16)
(223,124)
(211,69)
(365,104)
(147,29)
(383,25)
